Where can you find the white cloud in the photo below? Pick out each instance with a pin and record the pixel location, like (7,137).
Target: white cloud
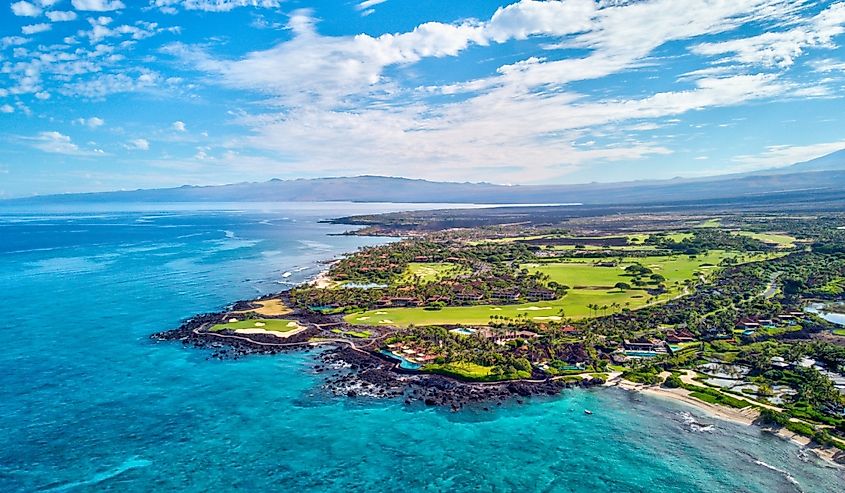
(97,5)
(780,48)
(105,85)
(336,89)
(366,7)
(169,6)
(61,16)
(138,145)
(369,3)
(784,155)
(59,143)
(26,9)
(36,28)
(7,108)
(179,126)
(828,65)
(93,122)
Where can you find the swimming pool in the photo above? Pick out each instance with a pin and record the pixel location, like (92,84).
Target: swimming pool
(463,331)
(641,354)
(403,363)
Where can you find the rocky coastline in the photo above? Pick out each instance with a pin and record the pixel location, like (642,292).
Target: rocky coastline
(357,373)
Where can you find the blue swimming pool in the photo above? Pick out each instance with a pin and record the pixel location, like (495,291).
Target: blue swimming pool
(641,354)
(403,363)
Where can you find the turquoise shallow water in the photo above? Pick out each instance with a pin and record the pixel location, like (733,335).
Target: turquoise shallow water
(90,404)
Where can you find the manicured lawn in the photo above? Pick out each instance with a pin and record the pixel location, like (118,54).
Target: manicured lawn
(591,286)
(779,239)
(574,305)
(710,223)
(428,272)
(470,371)
(839,332)
(585,273)
(271,324)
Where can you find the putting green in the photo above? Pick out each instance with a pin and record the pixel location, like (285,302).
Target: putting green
(269,324)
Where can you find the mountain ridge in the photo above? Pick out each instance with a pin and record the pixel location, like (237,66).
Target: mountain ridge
(823,173)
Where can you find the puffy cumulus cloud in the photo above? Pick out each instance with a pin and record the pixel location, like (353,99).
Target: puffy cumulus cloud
(138,145)
(59,143)
(35,28)
(179,126)
(97,5)
(61,15)
(170,6)
(524,117)
(781,48)
(7,108)
(26,9)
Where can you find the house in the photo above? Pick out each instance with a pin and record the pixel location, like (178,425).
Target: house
(404,301)
(679,336)
(502,338)
(748,323)
(570,330)
(505,295)
(468,296)
(640,345)
(541,294)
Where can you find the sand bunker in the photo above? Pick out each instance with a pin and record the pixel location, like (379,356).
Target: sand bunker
(553,318)
(534,308)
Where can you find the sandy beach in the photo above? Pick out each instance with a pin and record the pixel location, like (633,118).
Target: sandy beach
(323,281)
(745,416)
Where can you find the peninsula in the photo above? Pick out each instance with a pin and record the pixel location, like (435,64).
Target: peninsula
(711,310)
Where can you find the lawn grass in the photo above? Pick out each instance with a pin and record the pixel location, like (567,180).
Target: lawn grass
(472,371)
(839,332)
(270,324)
(584,273)
(591,285)
(430,272)
(711,223)
(779,239)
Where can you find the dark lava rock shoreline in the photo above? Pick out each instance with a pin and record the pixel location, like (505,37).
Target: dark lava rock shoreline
(356,373)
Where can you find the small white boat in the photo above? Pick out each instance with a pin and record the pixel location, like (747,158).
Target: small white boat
(587,411)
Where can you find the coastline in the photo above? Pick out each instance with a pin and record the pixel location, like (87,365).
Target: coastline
(745,416)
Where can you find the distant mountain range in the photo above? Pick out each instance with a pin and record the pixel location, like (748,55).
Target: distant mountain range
(824,176)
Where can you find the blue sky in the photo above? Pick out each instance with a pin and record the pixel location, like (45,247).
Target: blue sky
(120,94)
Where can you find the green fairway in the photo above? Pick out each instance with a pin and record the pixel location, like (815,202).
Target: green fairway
(591,286)
(469,371)
(710,223)
(585,273)
(270,324)
(779,239)
(574,305)
(430,272)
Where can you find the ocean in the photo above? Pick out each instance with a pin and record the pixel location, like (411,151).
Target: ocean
(90,403)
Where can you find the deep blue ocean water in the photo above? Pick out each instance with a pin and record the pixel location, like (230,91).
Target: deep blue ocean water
(89,403)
